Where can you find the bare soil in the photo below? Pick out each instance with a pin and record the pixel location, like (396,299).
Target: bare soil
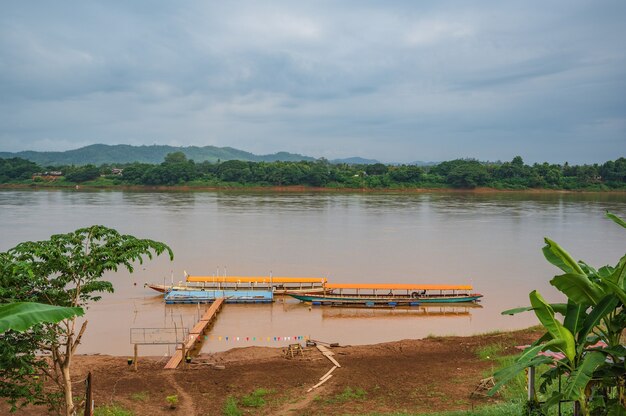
(416,376)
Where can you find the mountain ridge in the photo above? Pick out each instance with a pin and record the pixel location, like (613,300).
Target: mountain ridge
(99,154)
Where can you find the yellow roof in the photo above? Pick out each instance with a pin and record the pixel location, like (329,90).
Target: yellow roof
(389,286)
(255,279)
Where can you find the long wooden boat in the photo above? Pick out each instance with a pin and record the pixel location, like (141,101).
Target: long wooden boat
(388,294)
(278,284)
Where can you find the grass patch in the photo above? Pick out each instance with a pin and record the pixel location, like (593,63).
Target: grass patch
(255,399)
(490,352)
(501,409)
(231,408)
(142,396)
(348,394)
(112,410)
(435,337)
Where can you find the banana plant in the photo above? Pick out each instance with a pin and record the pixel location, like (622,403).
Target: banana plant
(594,313)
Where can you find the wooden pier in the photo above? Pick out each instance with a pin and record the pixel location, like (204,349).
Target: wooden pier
(195,335)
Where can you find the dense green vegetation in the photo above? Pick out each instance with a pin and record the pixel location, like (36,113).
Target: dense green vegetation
(177,169)
(588,337)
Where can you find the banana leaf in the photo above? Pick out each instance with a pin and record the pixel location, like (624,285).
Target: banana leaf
(565,340)
(579,378)
(515,311)
(575,316)
(616,219)
(618,291)
(560,258)
(553,400)
(560,308)
(578,288)
(602,309)
(20,316)
(617,410)
(531,359)
(619,273)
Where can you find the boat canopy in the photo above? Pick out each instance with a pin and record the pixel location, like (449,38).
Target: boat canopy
(255,279)
(389,286)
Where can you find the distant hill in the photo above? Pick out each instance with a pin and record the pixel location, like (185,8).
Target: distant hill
(421,163)
(355,161)
(98,154)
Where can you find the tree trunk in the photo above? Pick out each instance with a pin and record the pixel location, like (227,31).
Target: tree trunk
(67,388)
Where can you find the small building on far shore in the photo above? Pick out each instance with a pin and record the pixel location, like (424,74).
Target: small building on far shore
(52,175)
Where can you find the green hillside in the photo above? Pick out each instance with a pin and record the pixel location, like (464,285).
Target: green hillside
(98,154)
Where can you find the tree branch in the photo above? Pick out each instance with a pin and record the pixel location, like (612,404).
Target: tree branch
(80,335)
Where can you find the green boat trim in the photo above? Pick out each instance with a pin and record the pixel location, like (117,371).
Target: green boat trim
(332,298)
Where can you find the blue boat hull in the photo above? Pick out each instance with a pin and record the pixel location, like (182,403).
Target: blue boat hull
(209,296)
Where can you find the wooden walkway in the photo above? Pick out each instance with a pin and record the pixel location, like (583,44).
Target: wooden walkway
(195,335)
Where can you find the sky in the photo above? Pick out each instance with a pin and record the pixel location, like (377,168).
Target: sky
(397,81)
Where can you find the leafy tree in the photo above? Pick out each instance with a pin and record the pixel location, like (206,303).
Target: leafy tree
(319,174)
(406,173)
(83,174)
(376,169)
(468,175)
(134,172)
(614,171)
(175,157)
(234,171)
(594,312)
(66,271)
(512,170)
(17,169)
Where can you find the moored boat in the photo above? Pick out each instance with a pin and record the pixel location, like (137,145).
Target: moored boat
(279,285)
(347,294)
(209,296)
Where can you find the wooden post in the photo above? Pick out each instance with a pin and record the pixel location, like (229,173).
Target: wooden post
(531,384)
(135,358)
(182,350)
(88,399)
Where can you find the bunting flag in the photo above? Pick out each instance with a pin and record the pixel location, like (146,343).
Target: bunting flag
(256,338)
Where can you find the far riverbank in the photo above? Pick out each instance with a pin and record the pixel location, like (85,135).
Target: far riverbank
(304,189)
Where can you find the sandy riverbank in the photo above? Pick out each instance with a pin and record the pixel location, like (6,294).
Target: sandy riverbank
(432,374)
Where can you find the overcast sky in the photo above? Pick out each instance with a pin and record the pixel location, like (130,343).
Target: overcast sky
(391,80)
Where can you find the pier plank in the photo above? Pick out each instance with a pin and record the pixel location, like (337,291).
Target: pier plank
(196,333)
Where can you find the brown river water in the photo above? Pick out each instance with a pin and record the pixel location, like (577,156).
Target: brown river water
(490,240)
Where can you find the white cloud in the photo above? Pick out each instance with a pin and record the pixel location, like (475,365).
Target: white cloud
(428,32)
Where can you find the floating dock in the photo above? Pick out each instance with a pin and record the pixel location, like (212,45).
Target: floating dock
(210,296)
(195,336)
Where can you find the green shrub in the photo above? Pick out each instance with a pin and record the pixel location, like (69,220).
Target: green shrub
(112,410)
(255,399)
(230,407)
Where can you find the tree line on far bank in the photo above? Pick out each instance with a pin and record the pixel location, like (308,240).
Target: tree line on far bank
(176,169)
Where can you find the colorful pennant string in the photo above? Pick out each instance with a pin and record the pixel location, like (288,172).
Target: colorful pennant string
(255,338)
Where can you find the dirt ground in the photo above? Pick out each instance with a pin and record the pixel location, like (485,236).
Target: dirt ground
(416,376)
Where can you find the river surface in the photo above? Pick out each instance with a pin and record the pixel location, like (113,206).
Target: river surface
(492,241)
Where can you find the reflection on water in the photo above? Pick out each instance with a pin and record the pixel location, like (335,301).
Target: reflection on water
(492,241)
(442,310)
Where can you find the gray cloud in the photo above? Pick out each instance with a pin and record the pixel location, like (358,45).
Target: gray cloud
(397,81)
